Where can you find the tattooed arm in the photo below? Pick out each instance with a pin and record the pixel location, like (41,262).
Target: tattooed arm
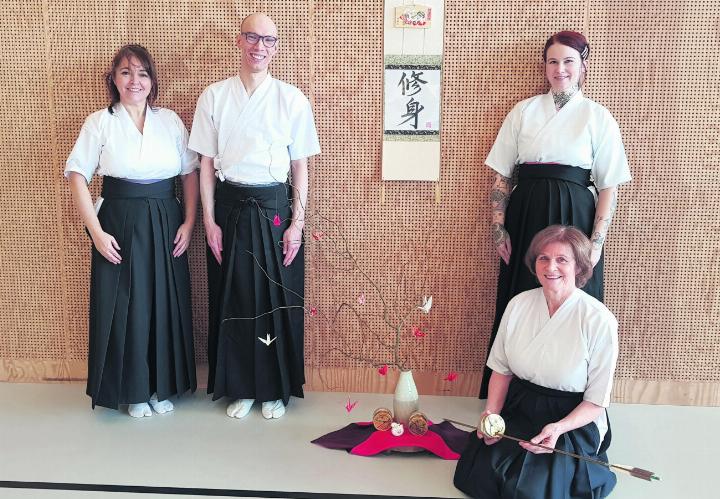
(499,196)
(606,206)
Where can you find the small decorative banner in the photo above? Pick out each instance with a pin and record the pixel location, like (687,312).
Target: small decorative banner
(413,16)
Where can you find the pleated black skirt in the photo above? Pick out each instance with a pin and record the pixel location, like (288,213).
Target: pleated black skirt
(140,312)
(253,297)
(506,470)
(545,195)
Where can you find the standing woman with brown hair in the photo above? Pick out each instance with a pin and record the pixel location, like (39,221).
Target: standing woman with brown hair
(141,346)
(569,158)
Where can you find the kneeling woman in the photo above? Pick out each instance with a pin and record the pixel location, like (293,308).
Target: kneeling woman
(141,346)
(553,363)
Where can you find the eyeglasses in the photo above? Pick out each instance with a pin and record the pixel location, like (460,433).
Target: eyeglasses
(253,38)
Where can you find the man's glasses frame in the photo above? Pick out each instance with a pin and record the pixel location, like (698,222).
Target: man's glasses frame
(253,38)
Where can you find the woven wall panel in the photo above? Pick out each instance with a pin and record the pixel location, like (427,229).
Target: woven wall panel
(31,250)
(660,79)
(654,67)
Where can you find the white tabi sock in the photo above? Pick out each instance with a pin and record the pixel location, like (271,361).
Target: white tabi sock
(273,409)
(139,410)
(240,408)
(160,406)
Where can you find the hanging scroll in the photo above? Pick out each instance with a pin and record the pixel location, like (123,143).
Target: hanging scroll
(412,91)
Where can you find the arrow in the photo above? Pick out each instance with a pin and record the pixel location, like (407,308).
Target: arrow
(632,471)
(267,340)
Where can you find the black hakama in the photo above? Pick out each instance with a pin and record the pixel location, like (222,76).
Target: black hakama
(253,296)
(140,312)
(545,195)
(506,470)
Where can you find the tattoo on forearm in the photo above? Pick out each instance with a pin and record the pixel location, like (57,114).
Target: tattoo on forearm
(503,183)
(500,193)
(602,224)
(499,234)
(613,204)
(498,200)
(598,239)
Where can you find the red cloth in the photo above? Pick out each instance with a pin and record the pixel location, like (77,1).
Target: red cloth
(362,439)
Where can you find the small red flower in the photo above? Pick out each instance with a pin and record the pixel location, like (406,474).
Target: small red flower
(452,376)
(317,235)
(276,220)
(313,311)
(383,370)
(417,332)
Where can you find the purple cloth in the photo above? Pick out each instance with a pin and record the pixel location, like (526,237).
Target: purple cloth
(455,438)
(346,438)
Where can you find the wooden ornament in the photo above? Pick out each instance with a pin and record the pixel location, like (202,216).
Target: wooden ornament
(418,423)
(382,419)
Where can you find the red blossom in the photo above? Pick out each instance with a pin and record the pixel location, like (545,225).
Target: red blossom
(276,220)
(313,311)
(383,370)
(452,376)
(417,332)
(317,235)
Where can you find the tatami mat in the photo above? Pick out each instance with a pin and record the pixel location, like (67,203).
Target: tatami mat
(49,434)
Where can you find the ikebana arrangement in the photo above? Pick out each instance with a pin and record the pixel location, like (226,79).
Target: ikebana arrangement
(387,332)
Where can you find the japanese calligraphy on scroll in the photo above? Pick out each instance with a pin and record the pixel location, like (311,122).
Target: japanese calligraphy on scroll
(412,99)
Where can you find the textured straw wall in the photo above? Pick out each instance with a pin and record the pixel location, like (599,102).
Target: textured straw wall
(654,65)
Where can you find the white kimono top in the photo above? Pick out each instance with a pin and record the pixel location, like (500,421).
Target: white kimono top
(253,138)
(111,144)
(582,134)
(575,350)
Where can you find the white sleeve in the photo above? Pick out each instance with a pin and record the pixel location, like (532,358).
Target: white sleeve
(504,153)
(497,359)
(304,138)
(188,158)
(85,155)
(610,164)
(204,134)
(603,354)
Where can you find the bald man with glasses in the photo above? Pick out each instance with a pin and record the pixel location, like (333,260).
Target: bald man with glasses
(251,131)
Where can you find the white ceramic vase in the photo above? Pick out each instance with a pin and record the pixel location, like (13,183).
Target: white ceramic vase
(405,401)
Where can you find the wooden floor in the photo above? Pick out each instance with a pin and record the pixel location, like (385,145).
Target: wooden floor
(53,446)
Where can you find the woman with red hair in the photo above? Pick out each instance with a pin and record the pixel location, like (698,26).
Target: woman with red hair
(568,156)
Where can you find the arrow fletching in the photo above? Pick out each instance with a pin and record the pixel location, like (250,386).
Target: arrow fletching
(636,472)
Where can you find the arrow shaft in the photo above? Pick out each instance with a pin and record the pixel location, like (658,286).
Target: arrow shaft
(572,454)
(559,451)
(638,473)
